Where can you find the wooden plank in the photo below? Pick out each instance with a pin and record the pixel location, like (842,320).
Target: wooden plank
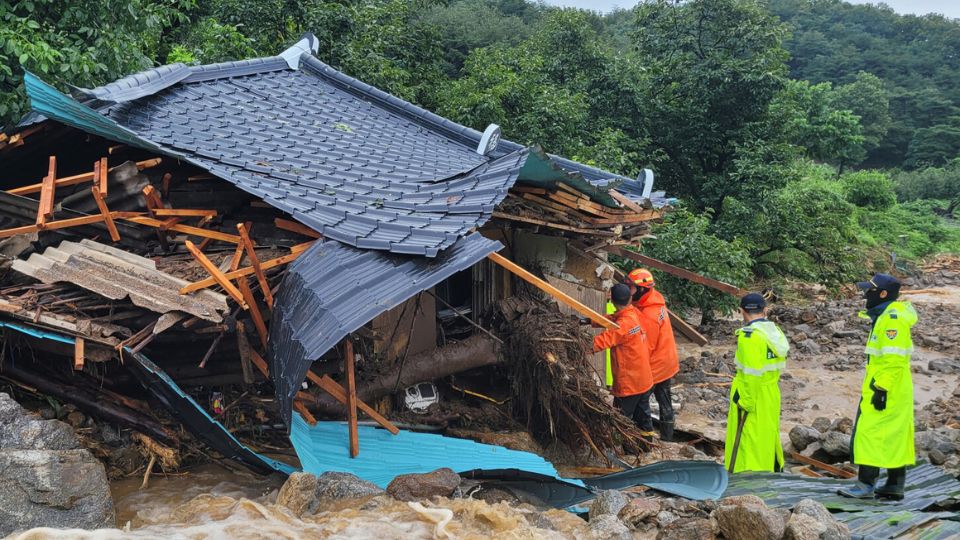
(237,258)
(244,348)
(528,189)
(260,364)
(48,186)
(626,202)
(63,224)
(78,356)
(255,314)
(76,179)
(183,212)
(677,271)
(807,471)
(524,274)
(351,397)
(105,212)
(331,387)
(246,271)
(562,227)
(300,248)
(821,465)
(255,264)
(293,226)
(186,229)
(302,409)
(217,275)
(165,184)
(687,329)
(152,199)
(102,169)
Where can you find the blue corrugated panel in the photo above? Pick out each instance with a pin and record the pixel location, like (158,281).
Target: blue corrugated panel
(333,289)
(324,447)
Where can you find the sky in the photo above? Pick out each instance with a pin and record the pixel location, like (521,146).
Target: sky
(950,8)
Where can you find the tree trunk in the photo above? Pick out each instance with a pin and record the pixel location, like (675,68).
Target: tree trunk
(476,351)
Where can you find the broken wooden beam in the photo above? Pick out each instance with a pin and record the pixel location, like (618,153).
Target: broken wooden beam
(78,355)
(186,229)
(244,348)
(561,226)
(242,272)
(45,208)
(687,329)
(217,275)
(244,285)
(302,409)
(65,223)
(105,212)
(351,388)
(293,226)
(821,465)
(183,212)
(76,179)
(255,264)
(573,303)
(677,271)
(626,202)
(101,177)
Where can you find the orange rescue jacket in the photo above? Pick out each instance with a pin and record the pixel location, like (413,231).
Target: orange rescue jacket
(664,361)
(630,354)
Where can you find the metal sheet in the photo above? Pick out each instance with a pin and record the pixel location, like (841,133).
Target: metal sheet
(697,480)
(195,418)
(383,456)
(117,274)
(333,289)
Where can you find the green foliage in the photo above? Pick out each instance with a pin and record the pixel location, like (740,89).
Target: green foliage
(684,240)
(931,183)
(866,97)
(466,25)
(934,146)
(808,119)
(869,189)
(911,230)
(209,42)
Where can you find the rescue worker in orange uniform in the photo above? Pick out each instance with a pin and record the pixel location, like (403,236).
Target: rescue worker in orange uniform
(664,361)
(630,356)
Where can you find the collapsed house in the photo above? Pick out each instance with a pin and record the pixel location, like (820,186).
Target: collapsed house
(195,227)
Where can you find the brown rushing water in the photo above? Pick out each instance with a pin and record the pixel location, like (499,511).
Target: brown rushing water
(211,502)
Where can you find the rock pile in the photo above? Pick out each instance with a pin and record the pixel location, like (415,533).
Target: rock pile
(46,478)
(825,440)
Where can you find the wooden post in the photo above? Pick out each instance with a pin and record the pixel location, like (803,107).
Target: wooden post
(217,275)
(551,290)
(351,398)
(241,272)
(105,212)
(243,347)
(677,271)
(78,354)
(102,169)
(255,264)
(255,314)
(687,329)
(48,186)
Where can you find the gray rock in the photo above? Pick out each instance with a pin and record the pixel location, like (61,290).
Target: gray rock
(53,488)
(804,527)
(665,517)
(414,487)
(748,518)
(22,430)
(836,444)
(810,346)
(639,511)
(937,457)
(299,493)
(689,529)
(608,526)
(609,501)
(803,436)
(943,440)
(338,486)
(831,528)
(822,424)
(944,365)
(843,425)
(811,449)
(805,328)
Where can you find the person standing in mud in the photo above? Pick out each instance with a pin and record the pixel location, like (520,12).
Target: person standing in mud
(664,361)
(883,431)
(629,355)
(753,421)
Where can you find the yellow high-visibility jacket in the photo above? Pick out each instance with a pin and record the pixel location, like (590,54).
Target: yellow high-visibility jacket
(885,438)
(761,357)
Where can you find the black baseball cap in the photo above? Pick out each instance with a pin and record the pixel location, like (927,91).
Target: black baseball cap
(753,302)
(883,282)
(620,294)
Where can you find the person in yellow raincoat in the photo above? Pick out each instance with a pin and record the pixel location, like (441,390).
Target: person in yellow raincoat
(883,432)
(755,393)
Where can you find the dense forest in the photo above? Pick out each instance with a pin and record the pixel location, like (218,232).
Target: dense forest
(806,139)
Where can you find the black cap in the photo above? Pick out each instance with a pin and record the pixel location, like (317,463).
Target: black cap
(883,282)
(753,302)
(620,294)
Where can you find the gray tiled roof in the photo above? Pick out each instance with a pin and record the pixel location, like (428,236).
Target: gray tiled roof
(333,289)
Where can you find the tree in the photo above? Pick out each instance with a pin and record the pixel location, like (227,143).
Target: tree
(714,66)
(869,189)
(466,25)
(866,97)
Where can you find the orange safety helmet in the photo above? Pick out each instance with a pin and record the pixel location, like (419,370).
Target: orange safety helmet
(641,277)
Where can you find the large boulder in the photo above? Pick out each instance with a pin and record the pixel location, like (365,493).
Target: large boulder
(339,486)
(689,529)
(415,487)
(298,493)
(608,527)
(837,444)
(53,488)
(812,518)
(747,517)
(303,493)
(639,512)
(803,436)
(46,479)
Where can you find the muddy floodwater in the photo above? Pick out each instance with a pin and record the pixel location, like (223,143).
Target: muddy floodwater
(211,502)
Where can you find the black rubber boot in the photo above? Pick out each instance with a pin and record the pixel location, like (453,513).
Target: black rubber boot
(894,487)
(666,431)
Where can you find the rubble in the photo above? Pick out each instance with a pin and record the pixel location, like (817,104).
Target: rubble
(748,518)
(413,487)
(607,502)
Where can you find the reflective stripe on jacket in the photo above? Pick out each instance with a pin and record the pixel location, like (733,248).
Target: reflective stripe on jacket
(608,379)
(761,356)
(885,438)
(664,361)
(630,354)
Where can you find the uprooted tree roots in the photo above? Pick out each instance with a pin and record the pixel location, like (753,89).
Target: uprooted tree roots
(556,390)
